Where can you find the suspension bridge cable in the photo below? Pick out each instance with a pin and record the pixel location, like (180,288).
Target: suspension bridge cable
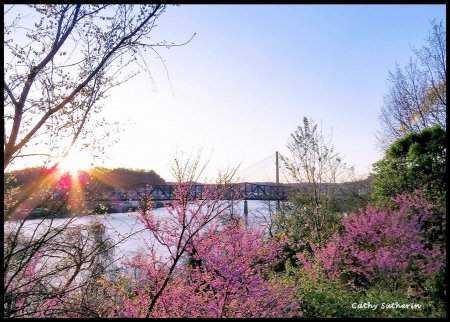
(264,160)
(265,170)
(259,170)
(251,170)
(256,172)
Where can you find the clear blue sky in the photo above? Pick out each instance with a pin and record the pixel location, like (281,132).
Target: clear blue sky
(251,74)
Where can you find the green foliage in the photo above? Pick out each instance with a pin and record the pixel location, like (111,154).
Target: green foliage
(416,161)
(296,222)
(436,290)
(309,216)
(320,297)
(324,291)
(352,196)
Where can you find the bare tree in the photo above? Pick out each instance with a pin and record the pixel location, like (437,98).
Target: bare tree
(60,62)
(265,215)
(46,269)
(417,93)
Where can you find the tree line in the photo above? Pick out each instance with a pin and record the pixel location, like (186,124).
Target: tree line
(117,178)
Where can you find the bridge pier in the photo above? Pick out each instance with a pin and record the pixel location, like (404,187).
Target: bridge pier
(246,213)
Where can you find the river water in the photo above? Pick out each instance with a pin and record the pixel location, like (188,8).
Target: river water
(126,230)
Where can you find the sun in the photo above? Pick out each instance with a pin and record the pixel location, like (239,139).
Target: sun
(73,163)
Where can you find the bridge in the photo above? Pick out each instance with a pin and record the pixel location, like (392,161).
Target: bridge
(268,187)
(256,182)
(245,191)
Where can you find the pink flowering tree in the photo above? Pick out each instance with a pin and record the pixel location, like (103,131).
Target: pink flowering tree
(381,246)
(197,267)
(229,275)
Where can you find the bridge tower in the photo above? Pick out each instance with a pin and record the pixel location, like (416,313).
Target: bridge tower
(277,177)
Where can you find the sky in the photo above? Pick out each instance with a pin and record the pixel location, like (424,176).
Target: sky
(251,73)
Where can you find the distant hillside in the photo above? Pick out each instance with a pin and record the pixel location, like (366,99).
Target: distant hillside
(22,177)
(124,177)
(118,178)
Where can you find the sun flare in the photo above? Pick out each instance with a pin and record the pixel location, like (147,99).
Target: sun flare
(74,163)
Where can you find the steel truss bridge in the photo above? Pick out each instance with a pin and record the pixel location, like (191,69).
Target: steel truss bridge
(245,191)
(242,190)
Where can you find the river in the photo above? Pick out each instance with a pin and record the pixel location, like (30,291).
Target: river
(126,230)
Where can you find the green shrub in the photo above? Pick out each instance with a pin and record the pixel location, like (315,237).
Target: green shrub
(323,298)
